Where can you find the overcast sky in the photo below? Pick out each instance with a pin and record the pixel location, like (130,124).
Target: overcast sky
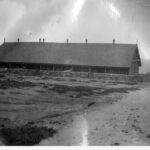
(128,21)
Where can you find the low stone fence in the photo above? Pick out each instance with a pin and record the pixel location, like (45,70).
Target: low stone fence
(101,76)
(119,77)
(146,77)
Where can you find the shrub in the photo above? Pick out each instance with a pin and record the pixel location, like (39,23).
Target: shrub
(25,135)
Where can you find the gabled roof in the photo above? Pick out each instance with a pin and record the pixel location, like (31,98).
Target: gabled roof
(92,54)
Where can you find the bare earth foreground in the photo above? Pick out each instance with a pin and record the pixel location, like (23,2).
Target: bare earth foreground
(38,109)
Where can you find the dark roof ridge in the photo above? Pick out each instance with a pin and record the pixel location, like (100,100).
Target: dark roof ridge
(68,44)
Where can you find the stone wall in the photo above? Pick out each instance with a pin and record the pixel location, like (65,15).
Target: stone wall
(101,76)
(146,77)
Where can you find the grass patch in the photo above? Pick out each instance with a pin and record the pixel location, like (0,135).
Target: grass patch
(6,84)
(2,76)
(25,135)
(117,90)
(88,91)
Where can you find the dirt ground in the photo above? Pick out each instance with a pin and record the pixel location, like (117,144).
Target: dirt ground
(38,109)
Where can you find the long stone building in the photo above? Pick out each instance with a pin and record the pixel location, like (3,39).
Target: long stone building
(79,57)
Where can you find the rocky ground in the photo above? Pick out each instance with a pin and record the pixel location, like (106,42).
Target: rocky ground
(124,122)
(38,109)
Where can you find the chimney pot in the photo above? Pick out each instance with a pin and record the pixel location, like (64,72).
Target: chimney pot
(67,41)
(40,40)
(86,41)
(4,40)
(18,40)
(114,41)
(43,40)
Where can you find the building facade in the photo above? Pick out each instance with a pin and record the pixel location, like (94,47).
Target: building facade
(78,57)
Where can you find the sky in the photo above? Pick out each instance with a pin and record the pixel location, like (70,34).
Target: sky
(99,21)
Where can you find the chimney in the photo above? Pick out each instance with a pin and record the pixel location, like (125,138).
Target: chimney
(113,41)
(4,40)
(67,41)
(43,40)
(18,40)
(86,41)
(40,40)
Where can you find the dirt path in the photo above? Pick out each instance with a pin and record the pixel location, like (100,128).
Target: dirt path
(126,122)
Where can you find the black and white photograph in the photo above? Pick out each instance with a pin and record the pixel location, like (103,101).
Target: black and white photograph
(74,73)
